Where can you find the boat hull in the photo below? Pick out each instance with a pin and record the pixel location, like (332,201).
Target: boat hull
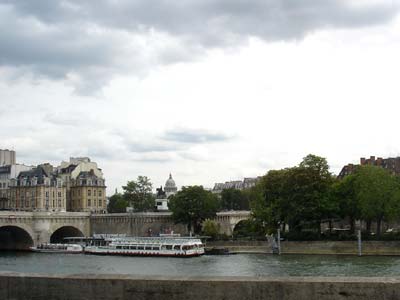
(58,248)
(142,253)
(55,251)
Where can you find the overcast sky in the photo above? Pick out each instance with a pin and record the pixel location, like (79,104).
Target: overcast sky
(210,91)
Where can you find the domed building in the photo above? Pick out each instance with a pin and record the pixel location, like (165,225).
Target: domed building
(163,195)
(170,186)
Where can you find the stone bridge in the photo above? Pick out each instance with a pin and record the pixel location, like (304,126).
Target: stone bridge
(141,224)
(20,230)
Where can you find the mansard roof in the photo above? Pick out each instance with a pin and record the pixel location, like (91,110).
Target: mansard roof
(38,172)
(87,174)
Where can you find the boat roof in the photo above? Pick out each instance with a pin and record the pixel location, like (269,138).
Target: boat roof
(154,240)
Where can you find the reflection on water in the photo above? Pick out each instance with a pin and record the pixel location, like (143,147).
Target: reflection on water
(229,265)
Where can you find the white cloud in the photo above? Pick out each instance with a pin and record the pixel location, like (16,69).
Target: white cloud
(208,110)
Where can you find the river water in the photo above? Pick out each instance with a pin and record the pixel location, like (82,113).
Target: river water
(207,265)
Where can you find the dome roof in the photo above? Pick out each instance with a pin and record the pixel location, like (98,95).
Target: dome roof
(170,183)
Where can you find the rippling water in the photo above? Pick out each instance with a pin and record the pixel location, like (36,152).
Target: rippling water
(229,265)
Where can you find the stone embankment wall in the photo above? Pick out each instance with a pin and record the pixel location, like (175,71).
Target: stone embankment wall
(341,247)
(119,287)
(312,247)
(241,246)
(135,224)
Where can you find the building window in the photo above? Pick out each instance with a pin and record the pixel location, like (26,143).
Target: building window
(100,202)
(89,202)
(94,193)
(59,194)
(89,192)
(99,193)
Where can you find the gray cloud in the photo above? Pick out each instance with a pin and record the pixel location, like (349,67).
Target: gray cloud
(194,136)
(145,147)
(88,42)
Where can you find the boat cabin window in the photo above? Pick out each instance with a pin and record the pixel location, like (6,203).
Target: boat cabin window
(169,247)
(126,247)
(147,248)
(177,247)
(119,247)
(132,247)
(156,247)
(140,247)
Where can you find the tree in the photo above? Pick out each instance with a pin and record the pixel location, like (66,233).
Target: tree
(298,196)
(270,203)
(377,192)
(192,205)
(139,194)
(117,204)
(210,228)
(233,199)
(344,195)
(308,188)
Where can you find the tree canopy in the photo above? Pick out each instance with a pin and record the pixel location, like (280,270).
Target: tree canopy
(117,204)
(297,196)
(305,195)
(192,205)
(377,193)
(139,194)
(234,199)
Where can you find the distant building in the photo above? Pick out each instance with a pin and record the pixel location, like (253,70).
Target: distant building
(170,186)
(88,192)
(392,164)
(163,195)
(247,183)
(38,190)
(77,185)
(7,157)
(85,183)
(8,170)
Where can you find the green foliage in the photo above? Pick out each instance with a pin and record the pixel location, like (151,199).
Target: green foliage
(249,229)
(377,193)
(117,204)
(298,196)
(139,194)
(343,194)
(233,199)
(211,228)
(192,205)
(302,236)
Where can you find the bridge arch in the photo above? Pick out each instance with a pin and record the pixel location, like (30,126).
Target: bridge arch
(59,234)
(229,219)
(13,237)
(240,228)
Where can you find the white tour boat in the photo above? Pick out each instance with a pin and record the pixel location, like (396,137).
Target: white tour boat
(149,246)
(58,248)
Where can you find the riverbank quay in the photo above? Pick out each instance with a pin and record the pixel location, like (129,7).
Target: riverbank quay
(310,247)
(22,286)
